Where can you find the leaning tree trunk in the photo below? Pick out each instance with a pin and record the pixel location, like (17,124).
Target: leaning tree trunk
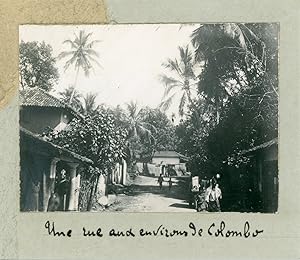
(93,191)
(74,89)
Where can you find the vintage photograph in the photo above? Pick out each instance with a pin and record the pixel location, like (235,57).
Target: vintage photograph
(149,117)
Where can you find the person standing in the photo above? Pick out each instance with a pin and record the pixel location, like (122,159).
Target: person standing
(213,196)
(160,181)
(61,190)
(54,202)
(170,183)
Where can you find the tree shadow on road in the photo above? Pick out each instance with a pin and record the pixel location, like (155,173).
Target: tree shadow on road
(180,205)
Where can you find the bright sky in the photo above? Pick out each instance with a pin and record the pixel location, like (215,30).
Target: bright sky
(131,57)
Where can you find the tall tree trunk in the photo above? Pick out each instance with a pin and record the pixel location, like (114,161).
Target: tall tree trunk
(217,110)
(74,89)
(188,93)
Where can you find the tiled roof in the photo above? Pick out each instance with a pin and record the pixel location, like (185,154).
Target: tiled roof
(168,154)
(60,150)
(39,98)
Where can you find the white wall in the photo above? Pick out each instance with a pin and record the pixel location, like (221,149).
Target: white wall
(158,160)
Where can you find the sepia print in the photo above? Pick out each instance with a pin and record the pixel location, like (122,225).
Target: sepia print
(149,118)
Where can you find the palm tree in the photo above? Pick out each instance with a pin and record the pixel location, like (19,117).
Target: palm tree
(82,55)
(89,104)
(135,123)
(221,48)
(182,84)
(75,102)
(137,128)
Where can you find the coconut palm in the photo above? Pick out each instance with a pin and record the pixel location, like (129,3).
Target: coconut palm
(136,125)
(137,129)
(81,56)
(229,53)
(66,96)
(182,84)
(89,106)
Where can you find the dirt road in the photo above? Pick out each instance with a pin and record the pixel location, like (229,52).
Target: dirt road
(145,195)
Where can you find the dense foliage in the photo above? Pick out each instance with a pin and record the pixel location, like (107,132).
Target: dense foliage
(37,66)
(97,138)
(164,136)
(237,94)
(148,130)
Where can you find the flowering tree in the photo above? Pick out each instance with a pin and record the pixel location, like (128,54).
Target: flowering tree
(97,138)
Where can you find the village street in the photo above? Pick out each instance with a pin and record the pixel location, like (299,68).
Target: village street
(144,195)
(84,148)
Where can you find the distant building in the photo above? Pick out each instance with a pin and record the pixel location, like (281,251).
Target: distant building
(45,167)
(170,161)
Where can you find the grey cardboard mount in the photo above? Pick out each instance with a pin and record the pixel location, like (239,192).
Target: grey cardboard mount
(23,235)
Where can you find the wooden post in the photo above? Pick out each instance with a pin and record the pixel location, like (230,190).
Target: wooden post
(124,171)
(36,190)
(77,191)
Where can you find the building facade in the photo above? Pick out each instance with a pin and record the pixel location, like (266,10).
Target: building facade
(170,162)
(49,174)
(253,186)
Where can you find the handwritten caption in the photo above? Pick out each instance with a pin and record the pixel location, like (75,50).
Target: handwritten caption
(213,230)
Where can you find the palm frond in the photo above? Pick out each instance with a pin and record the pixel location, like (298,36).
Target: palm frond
(145,132)
(72,43)
(91,44)
(132,109)
(64,54)
(182,53)
(91,52)
(89,103)
(70,62)
(95,61)
(169,80)
(234,32)
(86,65)
(65,96)
(165,105)
(170,84)
(149,126)
(84,38)
(172,65)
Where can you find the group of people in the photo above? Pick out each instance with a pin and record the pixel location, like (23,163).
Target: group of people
(207,196)
(211,195)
